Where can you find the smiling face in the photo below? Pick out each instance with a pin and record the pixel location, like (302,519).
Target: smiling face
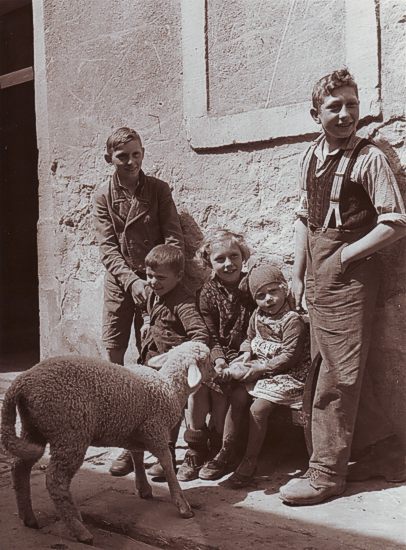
(162,279)
(338,115)
(127,159)
(270,297)
(226,261)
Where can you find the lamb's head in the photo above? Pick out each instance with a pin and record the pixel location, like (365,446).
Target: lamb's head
(191,358)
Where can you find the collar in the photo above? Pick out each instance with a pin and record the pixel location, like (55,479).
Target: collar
(283,310)
(120,189)
(319,150)
(179,291)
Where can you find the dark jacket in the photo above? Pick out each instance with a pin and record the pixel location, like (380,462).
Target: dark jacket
(173,319)
(125,240)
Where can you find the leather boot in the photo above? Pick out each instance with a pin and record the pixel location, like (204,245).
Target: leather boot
(223,463)
(123,465)
(195,456)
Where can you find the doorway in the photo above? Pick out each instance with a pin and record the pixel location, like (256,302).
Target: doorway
(19,305)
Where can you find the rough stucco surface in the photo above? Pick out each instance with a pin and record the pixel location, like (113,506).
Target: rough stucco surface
(100,65)
(250,46)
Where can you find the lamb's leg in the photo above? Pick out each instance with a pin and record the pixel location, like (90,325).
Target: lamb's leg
(164,456)
(21,473)
(62,467)
(141,480)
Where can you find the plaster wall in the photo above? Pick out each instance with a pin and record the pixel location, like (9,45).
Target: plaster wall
(103,64)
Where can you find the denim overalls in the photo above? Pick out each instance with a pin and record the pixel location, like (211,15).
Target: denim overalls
(341,308)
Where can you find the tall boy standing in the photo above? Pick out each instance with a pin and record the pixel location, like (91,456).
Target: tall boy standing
(350,208)
(133,213)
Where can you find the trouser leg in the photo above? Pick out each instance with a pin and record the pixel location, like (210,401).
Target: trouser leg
(341,310)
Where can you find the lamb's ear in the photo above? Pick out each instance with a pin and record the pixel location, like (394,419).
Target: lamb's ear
(194,376)
(158,361)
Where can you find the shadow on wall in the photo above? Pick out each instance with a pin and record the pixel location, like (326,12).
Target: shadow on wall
(386,357)
(195,274)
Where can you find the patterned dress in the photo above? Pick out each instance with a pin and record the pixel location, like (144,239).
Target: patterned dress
(281,342)
(226,310)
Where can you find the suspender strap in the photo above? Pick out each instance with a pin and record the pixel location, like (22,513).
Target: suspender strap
(337,186)
(306,161)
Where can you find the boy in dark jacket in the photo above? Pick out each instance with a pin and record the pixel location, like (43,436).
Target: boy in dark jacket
(172,315)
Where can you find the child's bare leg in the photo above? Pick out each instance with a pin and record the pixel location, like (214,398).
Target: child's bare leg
(196,435)
(199,407)
(258,424)
(225,460)
(218,410)
(219,406)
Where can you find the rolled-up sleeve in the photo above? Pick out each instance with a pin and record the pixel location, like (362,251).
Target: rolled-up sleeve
(372,169)
(302,209)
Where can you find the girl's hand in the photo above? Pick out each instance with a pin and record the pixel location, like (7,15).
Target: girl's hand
(246,356)
(225,375)
(219,365)
(144,330)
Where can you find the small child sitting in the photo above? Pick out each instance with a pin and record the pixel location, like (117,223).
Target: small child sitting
(274,363)
(173,317)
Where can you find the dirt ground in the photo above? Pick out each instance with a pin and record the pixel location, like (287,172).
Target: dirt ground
(369,516)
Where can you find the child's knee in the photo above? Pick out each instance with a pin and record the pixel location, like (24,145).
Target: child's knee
(239,396)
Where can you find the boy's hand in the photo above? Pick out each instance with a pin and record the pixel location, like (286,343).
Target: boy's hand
(220,368)
(297,291)
(138,291)
(344,259)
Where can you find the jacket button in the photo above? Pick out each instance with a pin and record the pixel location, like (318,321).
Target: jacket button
(146,242)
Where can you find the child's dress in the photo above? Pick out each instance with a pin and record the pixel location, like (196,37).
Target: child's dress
(281,343)
(226,310)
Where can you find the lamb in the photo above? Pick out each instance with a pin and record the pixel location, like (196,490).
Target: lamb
(72,402)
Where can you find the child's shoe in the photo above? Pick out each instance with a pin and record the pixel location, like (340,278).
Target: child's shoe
(243,475)
(223,463)
(195,456)
(190,467)
(122,465)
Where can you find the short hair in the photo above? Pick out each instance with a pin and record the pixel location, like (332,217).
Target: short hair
(328,83)
(166,255)
(121,136)
(219,235)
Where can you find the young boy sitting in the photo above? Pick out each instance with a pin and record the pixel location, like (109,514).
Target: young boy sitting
(133,212)
(350,207)
(173,317)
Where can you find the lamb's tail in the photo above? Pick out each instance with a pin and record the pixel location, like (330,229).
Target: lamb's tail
(15,445)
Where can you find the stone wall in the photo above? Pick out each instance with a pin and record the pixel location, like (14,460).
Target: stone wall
(228,144)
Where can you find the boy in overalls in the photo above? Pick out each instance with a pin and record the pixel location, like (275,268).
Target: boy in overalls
(350,207)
